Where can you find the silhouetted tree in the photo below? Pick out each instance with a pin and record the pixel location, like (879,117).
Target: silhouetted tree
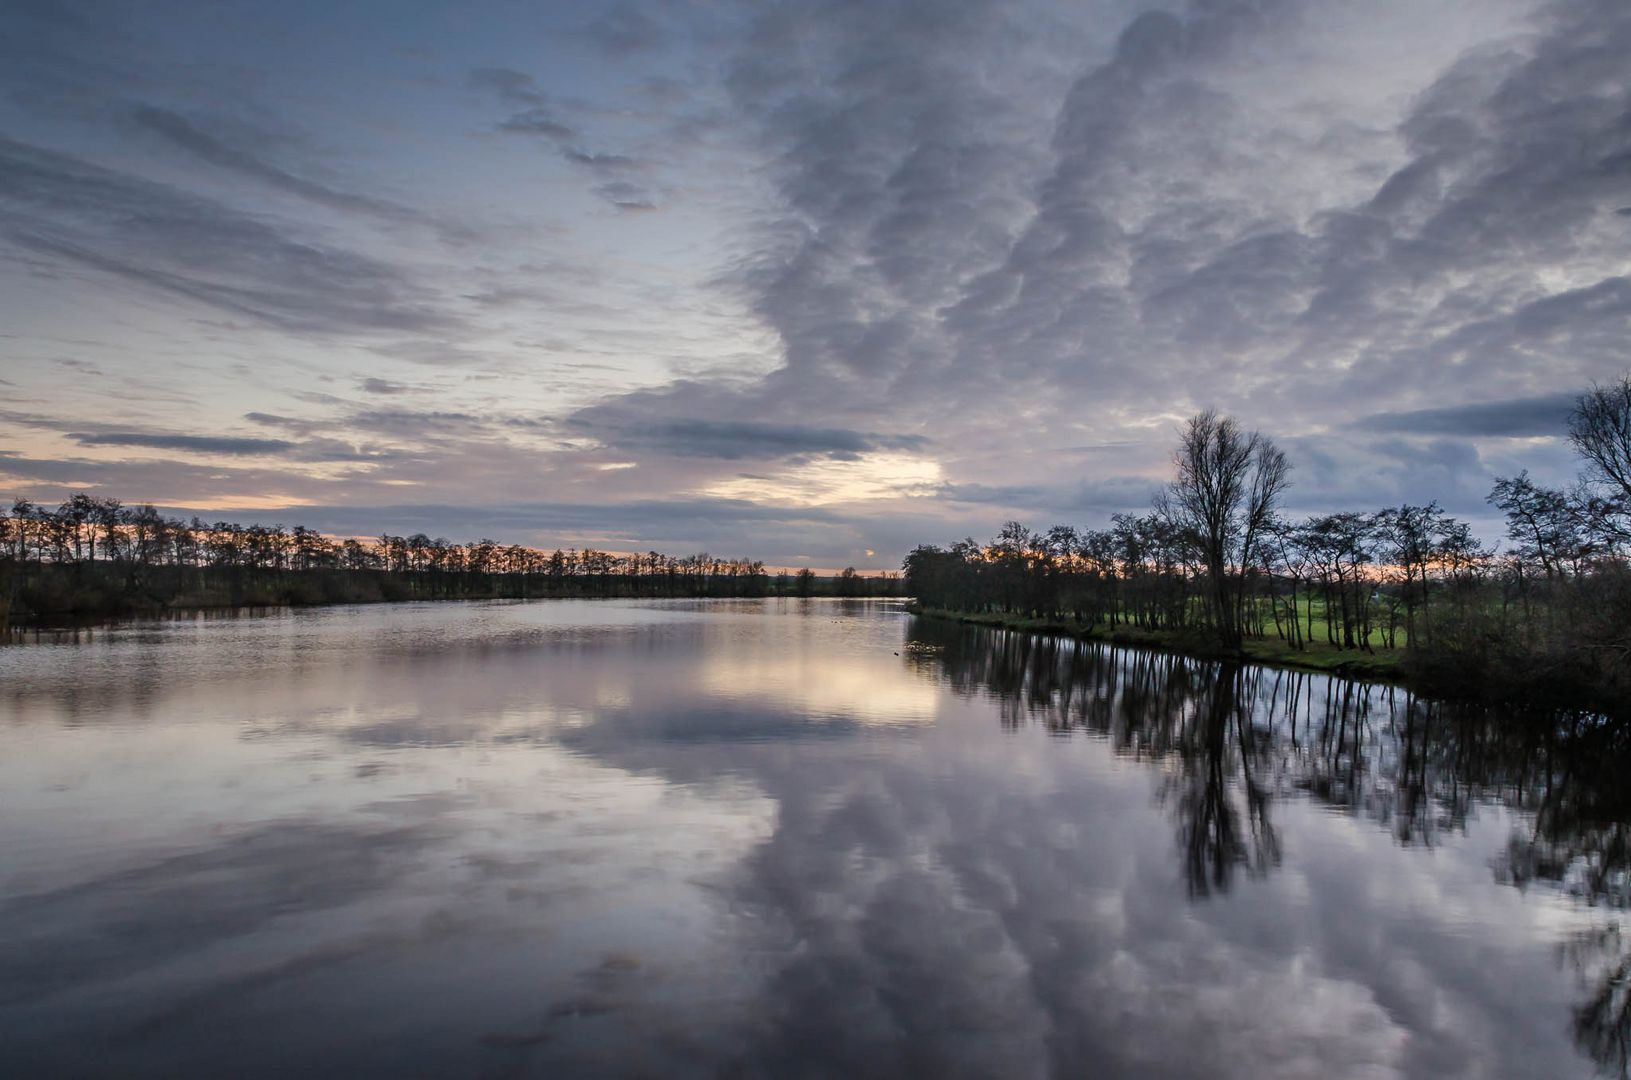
(1600,429)
(1229,482)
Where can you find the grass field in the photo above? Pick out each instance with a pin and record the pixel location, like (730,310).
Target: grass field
(1316,631)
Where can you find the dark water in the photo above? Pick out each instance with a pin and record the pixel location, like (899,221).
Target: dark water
(781,839)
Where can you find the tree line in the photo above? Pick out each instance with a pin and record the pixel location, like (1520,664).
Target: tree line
(1214,564)
(96,556)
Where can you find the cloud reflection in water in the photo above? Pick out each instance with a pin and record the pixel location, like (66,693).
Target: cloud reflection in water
(773,839)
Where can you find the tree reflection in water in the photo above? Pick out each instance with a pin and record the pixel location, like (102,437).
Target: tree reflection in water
(1235,739)
(1602,1021)
(1219,743)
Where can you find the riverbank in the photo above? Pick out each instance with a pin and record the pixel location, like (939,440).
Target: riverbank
(48,594)
(1476,671)
(1316,657)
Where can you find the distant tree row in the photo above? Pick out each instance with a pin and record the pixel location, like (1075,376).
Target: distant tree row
(95,556)
(1214,560)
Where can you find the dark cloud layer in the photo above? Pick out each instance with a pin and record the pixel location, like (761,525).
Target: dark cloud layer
(1526,417)
(384,386)
(734,440)
(206,444)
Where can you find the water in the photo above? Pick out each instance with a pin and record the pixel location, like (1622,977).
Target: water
(778,838)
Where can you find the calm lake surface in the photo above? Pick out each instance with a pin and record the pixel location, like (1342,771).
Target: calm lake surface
(779,838)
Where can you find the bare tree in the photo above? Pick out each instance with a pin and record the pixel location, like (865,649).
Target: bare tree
(1229,483)
(1600,429)
(1542,523)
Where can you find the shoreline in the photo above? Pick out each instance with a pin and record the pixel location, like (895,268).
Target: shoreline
(1319,659)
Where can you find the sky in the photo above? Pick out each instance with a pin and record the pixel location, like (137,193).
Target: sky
(809,282)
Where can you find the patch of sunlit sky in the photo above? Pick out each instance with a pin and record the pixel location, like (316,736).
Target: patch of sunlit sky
(823,483)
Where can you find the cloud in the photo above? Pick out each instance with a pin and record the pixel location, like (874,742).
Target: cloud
(186,134)
(384,386)
(1166,227)
(314,450)
(200,444)
(536,121)
(1098,498)
(625,196)
(735,440)
(674,526)
(538,117)
(410,421)
(995,494)
(625,30)
(1542,416)
(294,423)
(535,115)
(600,162)
(163,239)
(513,87)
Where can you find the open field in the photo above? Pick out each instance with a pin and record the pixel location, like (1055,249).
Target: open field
(1311,615)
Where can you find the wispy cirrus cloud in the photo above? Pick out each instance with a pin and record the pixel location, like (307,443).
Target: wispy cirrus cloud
(70,211)
(188,135)
(538,116)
